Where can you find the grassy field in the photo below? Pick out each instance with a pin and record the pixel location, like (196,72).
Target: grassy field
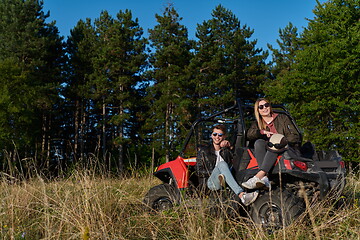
(87,207)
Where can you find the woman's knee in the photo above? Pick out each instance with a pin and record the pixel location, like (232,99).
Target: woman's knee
(260,143)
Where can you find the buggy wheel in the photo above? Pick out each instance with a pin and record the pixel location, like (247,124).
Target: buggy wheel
(162,197)
(223,203)
(276,209)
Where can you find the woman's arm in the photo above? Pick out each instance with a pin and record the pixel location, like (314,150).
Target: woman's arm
(253,132)
(287,128)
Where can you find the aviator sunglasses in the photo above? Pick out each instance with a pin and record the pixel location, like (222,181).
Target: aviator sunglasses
(215,134)
(264,105)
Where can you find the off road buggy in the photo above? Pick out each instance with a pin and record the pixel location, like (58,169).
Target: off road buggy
(318,174)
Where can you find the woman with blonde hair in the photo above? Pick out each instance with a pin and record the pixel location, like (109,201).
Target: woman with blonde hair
(273,133)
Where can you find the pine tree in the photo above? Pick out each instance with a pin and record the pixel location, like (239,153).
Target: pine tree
(323,85)
(283,58)
(169,109)
(120,59)
(35,49)
(227,64)
(16,110)
(81,46)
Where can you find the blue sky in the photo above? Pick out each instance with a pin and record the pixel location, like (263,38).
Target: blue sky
(265,17)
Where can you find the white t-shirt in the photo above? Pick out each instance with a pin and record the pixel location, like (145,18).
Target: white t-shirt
(218,157)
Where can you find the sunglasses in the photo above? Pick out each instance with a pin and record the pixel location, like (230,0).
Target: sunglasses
(215,134)
(266,105)
(276,145)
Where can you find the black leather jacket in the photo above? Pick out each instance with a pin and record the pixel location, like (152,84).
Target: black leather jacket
(206,160)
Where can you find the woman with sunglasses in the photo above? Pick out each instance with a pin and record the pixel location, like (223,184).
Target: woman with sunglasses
(212,166)
(266,125)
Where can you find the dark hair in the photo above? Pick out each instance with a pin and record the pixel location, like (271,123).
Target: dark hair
(220,127)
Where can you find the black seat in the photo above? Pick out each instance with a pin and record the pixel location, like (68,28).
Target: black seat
(291,153)
(307,150)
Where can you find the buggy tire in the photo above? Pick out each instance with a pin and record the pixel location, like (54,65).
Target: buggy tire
(162,197)
(276,209)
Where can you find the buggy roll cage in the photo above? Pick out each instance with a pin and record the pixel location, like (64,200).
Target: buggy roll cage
(241,126)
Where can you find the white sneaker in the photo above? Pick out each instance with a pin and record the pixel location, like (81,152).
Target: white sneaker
(249,198)
(253,183)
(267,182)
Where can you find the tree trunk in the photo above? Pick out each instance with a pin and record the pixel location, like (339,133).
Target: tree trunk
(121,134)
(152,161)
(104,131)
(44,142)
(121,163)
(168,131)
(48,138)
(83,127)
(76,127)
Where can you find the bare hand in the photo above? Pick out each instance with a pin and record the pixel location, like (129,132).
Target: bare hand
(225,143)
(268,134)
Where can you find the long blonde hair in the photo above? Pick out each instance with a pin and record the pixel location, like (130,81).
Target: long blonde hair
(259,119)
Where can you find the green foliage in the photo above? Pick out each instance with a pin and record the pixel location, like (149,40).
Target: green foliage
(227,64)
(31,64)
(284,57)
(16,106)
(120,58)
(169,111)
(77,115)
(323,88)
(116,98)
(80,46)
(118,61)
(104,83)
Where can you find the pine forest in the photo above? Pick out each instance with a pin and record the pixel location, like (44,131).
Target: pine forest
(106,97)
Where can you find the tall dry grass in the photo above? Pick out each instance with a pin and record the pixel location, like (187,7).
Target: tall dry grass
(84,206)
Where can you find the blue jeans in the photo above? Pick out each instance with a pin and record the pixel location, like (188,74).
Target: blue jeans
(213,182)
